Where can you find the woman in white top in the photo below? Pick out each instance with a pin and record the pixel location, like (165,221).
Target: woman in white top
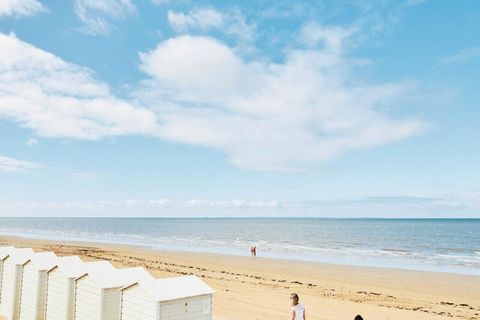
(298,311)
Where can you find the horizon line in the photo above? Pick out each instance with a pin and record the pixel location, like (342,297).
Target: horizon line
(241,217)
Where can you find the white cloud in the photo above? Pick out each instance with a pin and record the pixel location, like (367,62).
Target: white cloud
(454,205)
(189,204)
(58,99)
(133,203)
(160,202)
(264,116)
(403,206)
(154,204)
(231,23)
(197,18)
(32,142)
(331,38)
(96,15)
(20,7)
(8,164)
(271,116)
(463,55)
(200,203)
(229,204)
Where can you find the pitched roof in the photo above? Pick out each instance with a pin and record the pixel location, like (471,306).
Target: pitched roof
(20,255)
(71,267)
(5,251)
(168,289)
(42,260)
(107,277)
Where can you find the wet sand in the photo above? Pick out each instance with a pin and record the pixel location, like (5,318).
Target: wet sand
(259,288)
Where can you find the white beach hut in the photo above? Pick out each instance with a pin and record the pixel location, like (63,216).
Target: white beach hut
(97,293)
(4,253)
(179,298)
(60,285)
(11,277)
(34,284)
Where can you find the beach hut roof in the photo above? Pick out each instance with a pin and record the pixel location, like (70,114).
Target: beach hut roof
(97,270)
(106,276)
(136,274)
(5,251)
(169,289)
(71,267)
(130,275)
(94,266)
(41,260)
(21,255)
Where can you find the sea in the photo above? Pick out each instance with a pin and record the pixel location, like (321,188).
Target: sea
(443,245)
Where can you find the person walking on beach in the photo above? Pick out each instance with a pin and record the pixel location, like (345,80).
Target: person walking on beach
(298,311)
(254,250)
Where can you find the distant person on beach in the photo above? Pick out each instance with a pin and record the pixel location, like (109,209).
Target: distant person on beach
(358,317)
(251,250)
(298,311)
(254,250)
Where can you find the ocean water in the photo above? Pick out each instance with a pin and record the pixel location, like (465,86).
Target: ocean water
(447,245)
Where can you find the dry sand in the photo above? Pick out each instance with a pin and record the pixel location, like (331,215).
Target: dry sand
(250,288)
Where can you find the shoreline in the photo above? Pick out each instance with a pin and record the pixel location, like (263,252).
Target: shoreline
(331,260)
(147,248)
(258,287)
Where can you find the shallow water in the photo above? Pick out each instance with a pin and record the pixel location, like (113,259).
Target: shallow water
(450,245)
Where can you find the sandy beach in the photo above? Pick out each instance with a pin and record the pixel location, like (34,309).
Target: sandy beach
(258,288)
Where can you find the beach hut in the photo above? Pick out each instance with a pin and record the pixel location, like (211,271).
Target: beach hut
(4,253)
(33,285)
(179,298)
(97,294)
(60,285)
(11,277)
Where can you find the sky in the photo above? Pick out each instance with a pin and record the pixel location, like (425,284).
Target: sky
(180,108)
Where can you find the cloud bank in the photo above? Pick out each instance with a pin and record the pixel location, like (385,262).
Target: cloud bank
(462,56)
(280,116)
(457,205)
(232,23)
(19,8)
(96,15)
(57,99)
(271,116)
(8,164)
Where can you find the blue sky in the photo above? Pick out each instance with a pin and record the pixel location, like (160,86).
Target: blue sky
(259,108)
